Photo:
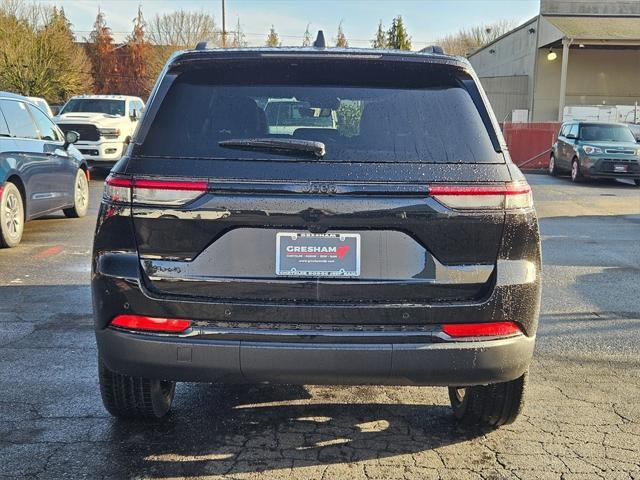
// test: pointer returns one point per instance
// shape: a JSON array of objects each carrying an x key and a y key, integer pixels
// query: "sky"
[{"x": 426, "y": 20}]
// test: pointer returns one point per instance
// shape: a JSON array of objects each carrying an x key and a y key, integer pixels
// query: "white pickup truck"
[{"x": 105, "y": 124}]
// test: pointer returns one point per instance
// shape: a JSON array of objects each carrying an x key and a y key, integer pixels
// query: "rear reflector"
[
  {"x": 151, "y": 324},
  {"x": 491, "y": 329},
  {"x": 153, "y": 192},
  {"x": 483, "y": 197}
]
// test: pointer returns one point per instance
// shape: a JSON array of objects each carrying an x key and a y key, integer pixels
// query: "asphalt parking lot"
[{"x": 582, "y": 418}]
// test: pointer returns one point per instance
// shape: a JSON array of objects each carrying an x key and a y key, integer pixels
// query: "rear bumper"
[{"x": 458, "y": 363}]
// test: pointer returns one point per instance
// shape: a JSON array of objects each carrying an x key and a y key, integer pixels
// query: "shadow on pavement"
[{"x": 221, "y": 430}]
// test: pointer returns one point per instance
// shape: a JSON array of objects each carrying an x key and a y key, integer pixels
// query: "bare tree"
[
  {"x": 469, "y": 39},
  {"x": 238, "y": 39},
  {"x": 179, "y": 30},
  {"x": 183, "y": 29},
  {"x": 306, "y": 39}
]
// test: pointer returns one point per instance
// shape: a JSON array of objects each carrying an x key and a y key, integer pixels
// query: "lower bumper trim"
[{"x": 439, "y": 364}]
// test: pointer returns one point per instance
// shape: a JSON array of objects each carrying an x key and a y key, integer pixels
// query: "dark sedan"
[{"x": 40, "y": 170}]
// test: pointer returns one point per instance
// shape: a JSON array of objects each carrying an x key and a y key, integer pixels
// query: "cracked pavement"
[{"x": 581, "y": 420}]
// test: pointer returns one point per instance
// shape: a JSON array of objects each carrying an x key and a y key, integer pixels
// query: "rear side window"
[
  {"x": 46, "y": 127},
  {"x": 4, "y": 129},
  {"x": 371, "y": 113},
  {"x": 20, "y": 122}
]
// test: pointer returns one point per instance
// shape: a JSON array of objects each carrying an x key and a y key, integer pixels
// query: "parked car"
[
  {"x": 40, "y": 169},
  {"x": 285, "y": 116},
  {"x": 105, "y": 124},
  {"x": 42, "y": 104},
  {"x": 596, "y": 150},
  {"x": 404, "y": 252}
]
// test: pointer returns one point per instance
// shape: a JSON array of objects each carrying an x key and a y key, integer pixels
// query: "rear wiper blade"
[{"x": 284, "y": 146}]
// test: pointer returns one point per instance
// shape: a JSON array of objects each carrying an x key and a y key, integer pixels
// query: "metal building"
[{"x": 575, "y": 52}]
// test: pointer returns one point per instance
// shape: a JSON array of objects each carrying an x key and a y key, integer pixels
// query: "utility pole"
[{"x": 224, "y": 27}]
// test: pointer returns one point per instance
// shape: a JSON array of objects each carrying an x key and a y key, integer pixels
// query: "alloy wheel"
[
  {"x": 82, "y": 191},
  {"x": 12, "y": 215}
]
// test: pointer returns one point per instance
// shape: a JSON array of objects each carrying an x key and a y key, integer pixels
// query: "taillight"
[
  {"x": 490, "y": 329},
  {"x": 152, "y": 192},
  {"x": 483, "y": 197},
  {"x": 117, "y": 189},
  {"x": 167, "y": 192},
  {"x": 151, "y": 324}
]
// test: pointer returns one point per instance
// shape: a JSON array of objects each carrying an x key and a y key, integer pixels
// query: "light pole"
[{"x": 224, "y": 28}]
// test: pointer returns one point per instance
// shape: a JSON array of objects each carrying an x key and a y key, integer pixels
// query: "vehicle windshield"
[
  {"x": 94, "y": 105},
  {"x": 606, "y": 133},
  {"x": 374, "y": 116},
  {"x": 635, "y": 130}
]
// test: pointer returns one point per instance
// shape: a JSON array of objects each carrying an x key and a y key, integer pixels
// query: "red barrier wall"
[{"x": 529, "y": 143}]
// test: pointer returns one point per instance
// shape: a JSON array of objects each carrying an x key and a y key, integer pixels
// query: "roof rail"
[
  {"x": 433, "y": 49},
  {"x": 201, "y": 45},
  {"x": 320, "y": 43}
]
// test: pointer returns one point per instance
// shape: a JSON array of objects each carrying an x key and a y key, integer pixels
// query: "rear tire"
[
  {"x": 80, "y": 196},
  {"x": 489, "y": 405},
  {"x": 576, "y": 174},
  {"x": 11, "y": 215},
  {"x": 553, "y": 168},
  {"x": 134, "y": 397},
  {"x": 637, "y": 182}
]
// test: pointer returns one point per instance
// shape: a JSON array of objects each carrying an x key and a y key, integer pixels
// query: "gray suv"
[{"x": 596, "y": 150}]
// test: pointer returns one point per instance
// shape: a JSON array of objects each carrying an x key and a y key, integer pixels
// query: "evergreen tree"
[
  {"x": 102, "y": 54},
  {"x": 381, "y": 37},
  {"x": 272, "y": 39},
  {"x": 306, "y": 39},
  {"x": 341, "y": 39},
  {"x": 397, "y": 37},
  {"x": 134, "y": 64}
]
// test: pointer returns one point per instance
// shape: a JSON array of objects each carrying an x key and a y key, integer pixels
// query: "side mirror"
[
  {"x": 571, "y": 136},
  {"x": 134, "y": 115},
  {"x": 70, "y": 137}
]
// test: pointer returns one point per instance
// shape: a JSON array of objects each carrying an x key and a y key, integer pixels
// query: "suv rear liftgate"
[{"x": 196, "y": 235}]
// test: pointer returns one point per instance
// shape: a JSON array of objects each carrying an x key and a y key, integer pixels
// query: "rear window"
[
  {"x": 368, "y": 113},
  {"x": 606, "y": 133}
]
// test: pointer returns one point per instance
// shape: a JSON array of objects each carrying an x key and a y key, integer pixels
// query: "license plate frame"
[
  {"x": 617, "y": 168},
  {"x": 309, "y": 262}
]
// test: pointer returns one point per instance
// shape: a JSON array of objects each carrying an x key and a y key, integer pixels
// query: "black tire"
[
  {"x": 489, "y": 405},
  {"x": 134, "y": 397},
  {"x": 11, "y": 215},
  {"x": 80, "y": 196},
  {"x": 637, "y": 182},
  {"x": 576, "y": 174},
  {"x": 553, "y": 168}
]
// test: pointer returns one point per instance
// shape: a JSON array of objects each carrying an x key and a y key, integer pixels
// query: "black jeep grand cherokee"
[{"x": 383, "y": 237}]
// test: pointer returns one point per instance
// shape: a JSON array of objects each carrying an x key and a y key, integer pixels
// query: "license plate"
[
  {"x": 317, "y": 255},
  {"x": 619, "y": 168}
]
